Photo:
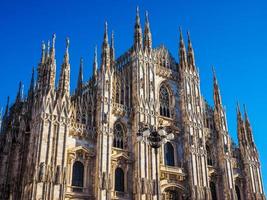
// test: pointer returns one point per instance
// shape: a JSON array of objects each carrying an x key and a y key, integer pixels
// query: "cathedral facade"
[{"x": 55, "y": 145}]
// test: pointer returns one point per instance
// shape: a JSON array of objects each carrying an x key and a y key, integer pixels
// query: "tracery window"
[
  {"x": 118, "y": 136},
  {"x": 77, "y": 176},
  {"x": 119, "y": 180},
  {"x": 164, "y": 99},
  {"x": 169, "y": 154}
]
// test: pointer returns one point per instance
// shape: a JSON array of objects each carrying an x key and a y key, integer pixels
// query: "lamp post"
[{"x": 155, "y": 138}]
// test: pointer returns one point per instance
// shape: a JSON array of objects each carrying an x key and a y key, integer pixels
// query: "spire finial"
[
  {"x": 43, "y": 53},
  {"x": 112, "y": 49},
  {"x": 182, "y": 50},
  {"x": 95, "y": 62},
  {"x": 137, "y": 31},
  {"x": 80, "y": 78},
  {"x": 66, "y": 56},
  {"x": 214, "y": 74},
  {"x": 238, "y": 109},
  {"x": 18, "y": 98},
  {"x": 52, "y": 50},
  {"x": 106, "y": 32},
  {"x": 53, "y": 40},
  {"x": 137, "y": 13},
  {"x": 181, "y": 34},
  {"x": 67, "y": 42},
  {"x": 147, "y": 20},
  {"x": 31, "y": 88},
  {"x": 48, "y": 49},
  {"x": 7, "y": 106},
  {"x": 246, "y": 114},
  {"x": 191, "y": 57},
  {"x": 147, "y": 35}
]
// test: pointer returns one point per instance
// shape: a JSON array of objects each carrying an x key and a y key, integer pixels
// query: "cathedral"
[{"x": 61, "y": 145}]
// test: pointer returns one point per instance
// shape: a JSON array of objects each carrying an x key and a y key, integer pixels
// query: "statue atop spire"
[
  {"x": 112, "y": 49},
  {"x": 95, "y": 65},
  {"x": 52, "y": 50},
  {"x": 137, "y": 31},
  {"x": 43, "y": 53}
]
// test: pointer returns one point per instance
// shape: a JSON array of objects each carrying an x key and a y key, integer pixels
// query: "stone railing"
[{"x": 171, "y": 173}]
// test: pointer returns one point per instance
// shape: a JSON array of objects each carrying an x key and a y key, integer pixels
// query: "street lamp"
[{"x": 155, "y": 138}]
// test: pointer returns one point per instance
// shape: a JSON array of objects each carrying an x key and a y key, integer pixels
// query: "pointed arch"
[
  {"x": 77, "y": 176},
  {"x": 169, "y": 154},
  {"x": 164, "y": 100},
  {"x": 118, "y": 140},
  {"x": 119, "y": 180}
]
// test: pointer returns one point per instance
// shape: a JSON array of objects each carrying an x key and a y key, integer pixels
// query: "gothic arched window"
[
  {"x": 238, "y": 195},
  {"x": 169, "y": 154},
  {"x": 118, "y": 136},
  {"x": 77, "y": 176},
  {"x": 119, "y": 180},
  {"x": 209, "y": 156},
  {"x": 164, "y": 99},
  {"x": 213, "y": 191}
]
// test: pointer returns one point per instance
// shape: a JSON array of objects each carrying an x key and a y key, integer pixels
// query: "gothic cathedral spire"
[
  {"x": 182, "y": 51},
  {"x": 64, "y": 81},
  {"x": 248, "y": 128},
  {"x": 95, "y": 65},
  {"x": 80, "y": 78},
  {"x": 137, "y": 31},
  {"x": 191, "y": 57},
  {"x": 105, "y": 65},
  {"x": 216, "y": 92},
  {"x": 112, "y": 50},
  {"x": 147, "y": 35}
]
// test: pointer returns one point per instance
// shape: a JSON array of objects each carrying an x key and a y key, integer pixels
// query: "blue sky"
[{"x": 231, "y": 35}]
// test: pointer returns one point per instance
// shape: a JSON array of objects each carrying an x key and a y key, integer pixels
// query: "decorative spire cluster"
[
  {"x": 147, "y": 35},
  {"x": 80, "y": 78},
  {"x": 64, "y": 81},
  {"x": 138, "y": 38},
  {"x": 105, "y": 56},
  {"x": 216, "y": 92},
  {"x": 187, "y": 59},
  {"x": 245, "y": 136}
]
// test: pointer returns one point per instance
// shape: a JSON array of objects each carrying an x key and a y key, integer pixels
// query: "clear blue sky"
[{"x": 231, "y": 35}]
